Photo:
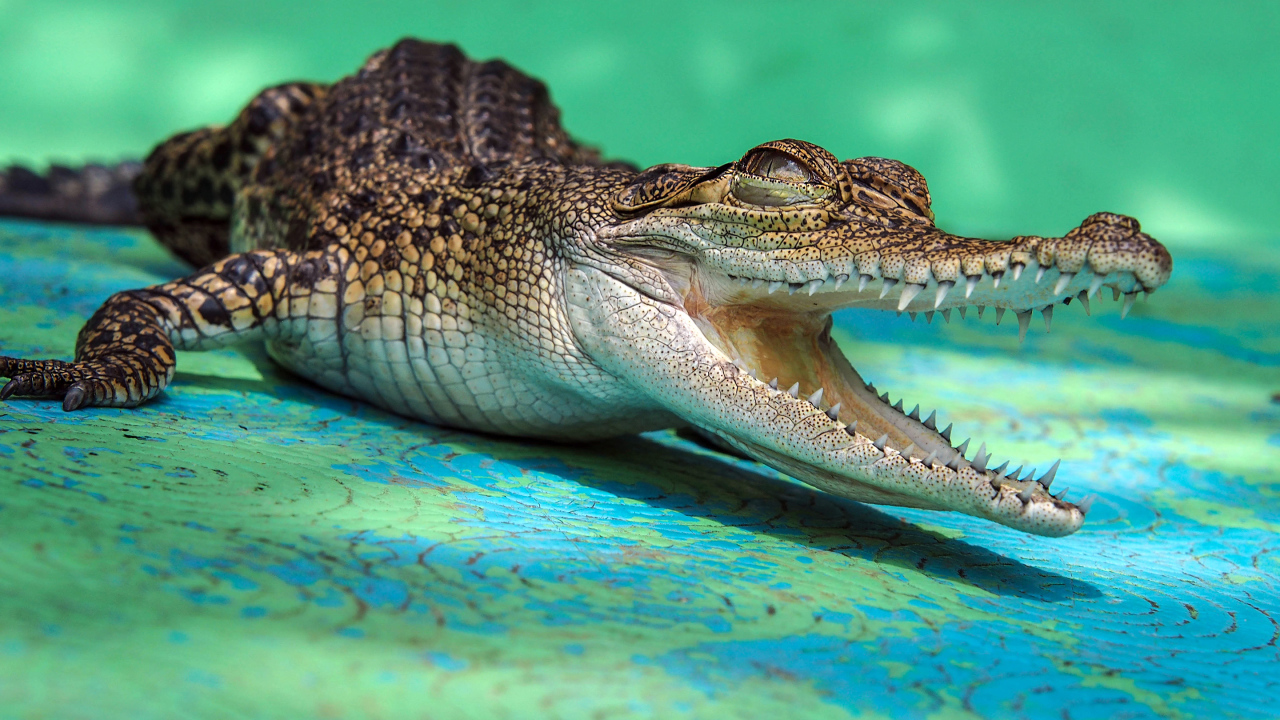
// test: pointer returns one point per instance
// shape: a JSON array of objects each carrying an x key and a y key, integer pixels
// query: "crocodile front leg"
[
  {"x": 661, "y": 348},
  {"x": 125, "y": 353}
]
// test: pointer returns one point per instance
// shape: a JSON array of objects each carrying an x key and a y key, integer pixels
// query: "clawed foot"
[{"x": 79, "y": 384}]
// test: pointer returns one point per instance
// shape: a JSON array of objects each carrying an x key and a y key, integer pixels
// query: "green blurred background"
[{"x": 1025, "y": 117}]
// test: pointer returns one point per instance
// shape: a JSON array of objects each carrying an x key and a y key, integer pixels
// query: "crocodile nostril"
[{"x": 1113, "y": 219}]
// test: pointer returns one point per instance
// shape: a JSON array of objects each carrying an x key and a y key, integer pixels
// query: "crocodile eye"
[
  {"x": 772, "y": 178},
  {"x": 777, "y": 165}
]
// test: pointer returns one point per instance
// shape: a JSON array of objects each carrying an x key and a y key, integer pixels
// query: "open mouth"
[{"x": 777, "y": 330}]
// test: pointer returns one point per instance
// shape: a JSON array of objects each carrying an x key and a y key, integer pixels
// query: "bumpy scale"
[{"x": 424, "y": 236}]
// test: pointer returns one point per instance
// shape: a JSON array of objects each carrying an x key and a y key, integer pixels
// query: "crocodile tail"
[{"x": 98, "y": 194}]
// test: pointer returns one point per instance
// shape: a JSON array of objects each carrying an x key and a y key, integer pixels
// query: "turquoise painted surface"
[{"x": 250, "y": 546}]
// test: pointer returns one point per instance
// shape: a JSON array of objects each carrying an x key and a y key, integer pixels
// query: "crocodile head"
[{"x": 723, "y": 281}]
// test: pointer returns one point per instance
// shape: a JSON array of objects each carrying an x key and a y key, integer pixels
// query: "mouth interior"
[{"x": 796, "y": 347}]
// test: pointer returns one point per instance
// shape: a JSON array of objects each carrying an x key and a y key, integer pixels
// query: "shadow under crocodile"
[
  {"x": 682, "y": 477},
  {"x": 697, "y": 483}
]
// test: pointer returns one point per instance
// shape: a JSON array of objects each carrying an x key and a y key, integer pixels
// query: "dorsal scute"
[{"x": 427, "y": 107}]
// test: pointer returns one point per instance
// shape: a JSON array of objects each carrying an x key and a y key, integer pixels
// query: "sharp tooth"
[
  {"x": 981, "y": 309},
  {"x": 1096, "y": 285},
  {"x": 996, "y": 277},
  {"x": 909, "y": 293},
  {"x": 980, "y": 460},
  {"x": 1014, "y": 475},
  {"x": 752, "y": 373},
  {"x": 928, "y": 317},
  {"x": 1063, "y": 281},
  {"x": 962, "y": 311},
  {"x": 815, "y": 398},
  {"x": 1086, "y": 504},
  {"x": 840, "y": 280},
  {"x": 1026, "y": 493},
  {"x": 1047, "y": 479},
  {"x": 773, "y": 383},
  {"x": 944, "y": 287},
  {"x": 852, "y": 427},
  {"x": 1128, "y": 303},
  {"x": 963, "y": 446},
  {"x": 946, "y": 434},
  {"x": 1084, "y": 301},
  {"x": 1017, "y": 271},
  {"x": 928, "y": 462},
  {"x": 1039, "y": 274},
  {"x": 915, "y": 412},
  {"x": 898, "y": 405},
  {"x": 1024, "y": 322},
  {"x": 1047, "y": 312},
  {"x": 999, "y": 314},
  {"x": 907, "y": 451},
  {"x": 755, "y": 284},
  {"x": 880, "y": 443},
  {"x": 888, "y": 285},
  {"x": 946, "y": 314},
  {"x": 1115, "y": 294},
  {"x": 1062, "y": 494},
  {"x": 793, "y": 287},
  {"x": 794, "y": 391},
  {"x": 913, "y": 315},
  {"x": 954, "y": 464},
  {"x": 885, "y": 398},
  {"x": 834, "y": 411},
  {"x": 813, "y": 286},
  {"x": 1030, "y": 474},
  {"x": 930, "y": 422},
  {"x": 862, "y": 282},
  {"x": 775, "y": 286},
  {"x": 970, "y": 282},
  {"x": 1000, "y": 470}
]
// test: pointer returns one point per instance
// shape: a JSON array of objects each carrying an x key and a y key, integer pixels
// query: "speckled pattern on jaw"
[{"x": 423, "y": 235}]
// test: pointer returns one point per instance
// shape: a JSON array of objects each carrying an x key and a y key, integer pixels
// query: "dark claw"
[
  {"x": 9, "y": 388},
  {"x": 74, "y": 398}
]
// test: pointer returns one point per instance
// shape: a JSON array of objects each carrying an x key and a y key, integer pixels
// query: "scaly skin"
[{"x": 425, "y": 237}]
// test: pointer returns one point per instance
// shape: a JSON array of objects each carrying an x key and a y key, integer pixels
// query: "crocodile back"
[{"x": 427, "y": 107}]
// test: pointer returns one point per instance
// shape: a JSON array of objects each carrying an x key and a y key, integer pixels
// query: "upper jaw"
[
  {"x": 938, "y": 272},
  {"x": 912, "y": 269}
]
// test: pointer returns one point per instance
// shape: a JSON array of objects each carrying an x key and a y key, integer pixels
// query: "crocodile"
[{"x": 423, "y": 235}]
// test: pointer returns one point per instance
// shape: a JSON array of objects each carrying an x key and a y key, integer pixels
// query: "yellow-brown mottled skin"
[{"x": 423, "y": 235}]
